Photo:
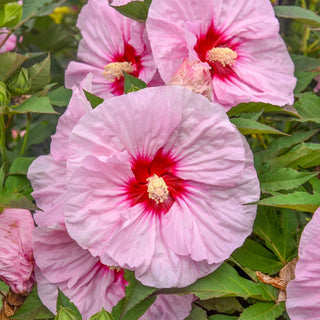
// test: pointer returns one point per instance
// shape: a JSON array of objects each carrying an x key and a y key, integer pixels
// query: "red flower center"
[
  {"x": 155, "y": 184},
  {"x": 220, "y": 53},
  {"x": 127, "y": 61}
]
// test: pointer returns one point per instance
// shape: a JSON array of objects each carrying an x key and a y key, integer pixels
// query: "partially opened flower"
[
  {"x": 62, "y": 264},
  {"x": 303, "y": 293},
  {"x": 158, "y": 179},
  {"x": 194, "y": 76},
  {"x": 111, "y": 44},
  {"x": 16, "y": 257},
  {"x": 238, "y": 41},
  {"x": 10, "y": 43}
]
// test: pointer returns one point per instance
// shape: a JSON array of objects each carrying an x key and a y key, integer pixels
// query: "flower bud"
[
  {"x": 4, "y": 94},
  {"x": 194, "y": 76},
  {"x": 19, "y": 83}
]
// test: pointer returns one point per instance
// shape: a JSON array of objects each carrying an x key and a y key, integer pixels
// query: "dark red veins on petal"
[
  {"x": 212, "y": 39},
  {"x": 163, "y": 165},
  {"x": 128, "y": 55}
]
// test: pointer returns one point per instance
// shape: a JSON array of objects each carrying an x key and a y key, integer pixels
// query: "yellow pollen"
[
  {"x": 225, "y": 56},
  {"x": 157, "y": 189},
  {"x": 113, "y": 70},
  {"x": 112, "y": 268}
]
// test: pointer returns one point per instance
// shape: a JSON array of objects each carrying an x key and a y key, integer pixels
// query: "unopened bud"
[
  {"x": 4, "y": 94},
  {"x": 194, "y": 76},
  {"x": 19, "y": 83}
]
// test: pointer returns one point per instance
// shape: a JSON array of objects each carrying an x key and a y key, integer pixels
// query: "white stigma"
[
  {"x": 114, "y": 70},
  {"x": 225, "y": 56},
  {"x": 157, "y": 189}
]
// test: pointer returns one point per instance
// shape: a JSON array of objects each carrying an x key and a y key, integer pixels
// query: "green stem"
[
  {"x": 304, "y": 41},
  {"x": 25, "y": 138},
  {"x": 303, "y": 4},
  {"x": 3, "y": 139}
]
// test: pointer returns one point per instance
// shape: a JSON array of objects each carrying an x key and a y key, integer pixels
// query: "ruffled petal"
[
  {"x": 303, "y": 294},
  {"x": 48, "y": 180},
  {"x": 141, "y": 129},
  {"x": 89, "y": 284},
  {"x": 16, "y": 259},
  {"x": 173, "y": 307},
  {"x": 207, "y": 147}
]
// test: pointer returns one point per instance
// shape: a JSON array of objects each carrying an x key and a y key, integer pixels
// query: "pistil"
[
  {"x": 225, "y": 56},
  {"x": 157, "y": 189},
  {"x": 114, "y": 70}
]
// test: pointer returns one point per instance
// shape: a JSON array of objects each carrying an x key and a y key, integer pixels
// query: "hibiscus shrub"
[{"x": 159, "y": 159}]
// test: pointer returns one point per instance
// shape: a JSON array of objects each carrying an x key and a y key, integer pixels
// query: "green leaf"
[
  {"x": 102, "y": 315},
  {"x": 197, "y": 313},
  {"x": 9, "y": 63},
  {"x": 305, "y": 63},
  {"x": 32, "y": 308},
  {"x": 283, "y": 179},
  {"x": 17, "y": 181},
  {"x": 300, "y": 14},
  {"x": 137, "y": 10},
  {"x": 39, "y": 74},
  {"x": 256, "y": 257},
  {"x": 278, "y": 229},
  {"x": 34, "y": 104},
  {"x": 308, "y": 105},
  {"x": 64, "y": 302},
  {"x": 131, "y": 83},
  {"x": 137, "y": 300},
  {"x": 257, "y": 107},
  {"x": 94, "y": 100},
  {"x": 60, "y": 97},
  {"x": 301, "y": 201},
  {"x": 10, "y": 14},
  {"x": 247, "y": 126},
  {"x": 263, "y": 311},
  {"x": 222, "y": 317},
  {"x": 315, "y": 182},
  {"x": 15, "y": 200},
  {"x": 67, "y": 314},
  {"x": 37, "y": 8},
  {"x": 283, "y": 144},
  {"x": 224, "y": 282},
  {"x": 303, "y": 80},
  {"x": 305, "y": 155},
  {"x": 221, "y": 305}
]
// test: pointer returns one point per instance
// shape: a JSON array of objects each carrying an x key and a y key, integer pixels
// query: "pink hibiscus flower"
[
  {"x": 303, "y": 293},
  {"x": 166, "y": 176},
  {"x": 238, "y": 41},
  {"x": 16, "y": 258},
  {"x": 11, "y": 42},
  {"x": 111, "y": 44},
  {"x": 60, "y": 261}
]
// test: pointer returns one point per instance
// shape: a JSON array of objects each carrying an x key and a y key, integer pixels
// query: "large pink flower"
[
  {"x": 11, "y": 42},
  {"x": 303, "y": 293},
  {"x": 16, "y": 258},
  {"x": 111, "y": 44},
  {"x": 60, "y": 261},
  {"x": 158, "y": 179},
  {"x": 239, "y": 41}
]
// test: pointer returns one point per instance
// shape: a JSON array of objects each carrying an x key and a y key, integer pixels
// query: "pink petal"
[
  {"x": 173, "y": 307},
  {"x": 303, "y": 295},
  {"x": 90, "y": 285},
  {"x": 48, "y": 180},
  {"x": 16, "y": 259}
]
